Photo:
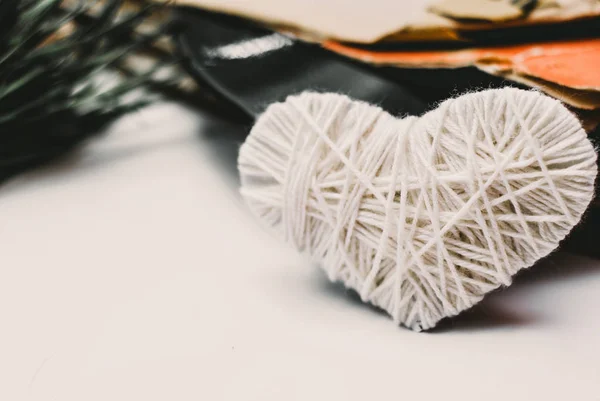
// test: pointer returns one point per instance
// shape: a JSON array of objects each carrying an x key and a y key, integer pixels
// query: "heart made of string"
[{"x": 422, "y": 216}]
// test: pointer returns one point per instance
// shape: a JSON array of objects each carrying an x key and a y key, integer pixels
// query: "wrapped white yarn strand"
[{"x": 422, "y": 216}]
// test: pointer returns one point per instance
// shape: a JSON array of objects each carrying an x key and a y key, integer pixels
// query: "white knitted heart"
[{"x": 421, "y": 216}]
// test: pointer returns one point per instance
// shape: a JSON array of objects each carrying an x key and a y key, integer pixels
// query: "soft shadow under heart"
[{"x": 489, "y": 313}]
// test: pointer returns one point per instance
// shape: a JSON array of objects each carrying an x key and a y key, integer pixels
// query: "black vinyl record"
[{"x": 253, "y": 67}]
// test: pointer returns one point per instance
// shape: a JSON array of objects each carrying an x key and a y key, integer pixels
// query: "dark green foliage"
[{"x": 50, "y": 99}]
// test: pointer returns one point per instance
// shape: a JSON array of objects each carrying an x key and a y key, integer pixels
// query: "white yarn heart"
[{"x": 421, "y": 216}]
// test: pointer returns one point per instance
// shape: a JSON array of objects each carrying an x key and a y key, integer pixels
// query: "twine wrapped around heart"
[{"x": 422, "y": 216}]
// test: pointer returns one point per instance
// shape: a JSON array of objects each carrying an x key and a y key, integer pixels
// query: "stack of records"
[{"x": 435, "y": 45}]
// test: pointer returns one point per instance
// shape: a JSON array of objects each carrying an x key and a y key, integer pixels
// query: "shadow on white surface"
[
  {"x": 132, "y": 271},
  {"x": 224, "y": 139}
]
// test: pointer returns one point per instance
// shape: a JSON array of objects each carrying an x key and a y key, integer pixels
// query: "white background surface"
[{"x": 132, "y": 271}]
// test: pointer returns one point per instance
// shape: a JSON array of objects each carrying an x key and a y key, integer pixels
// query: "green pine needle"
[{"x": 52, "y": 95}]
